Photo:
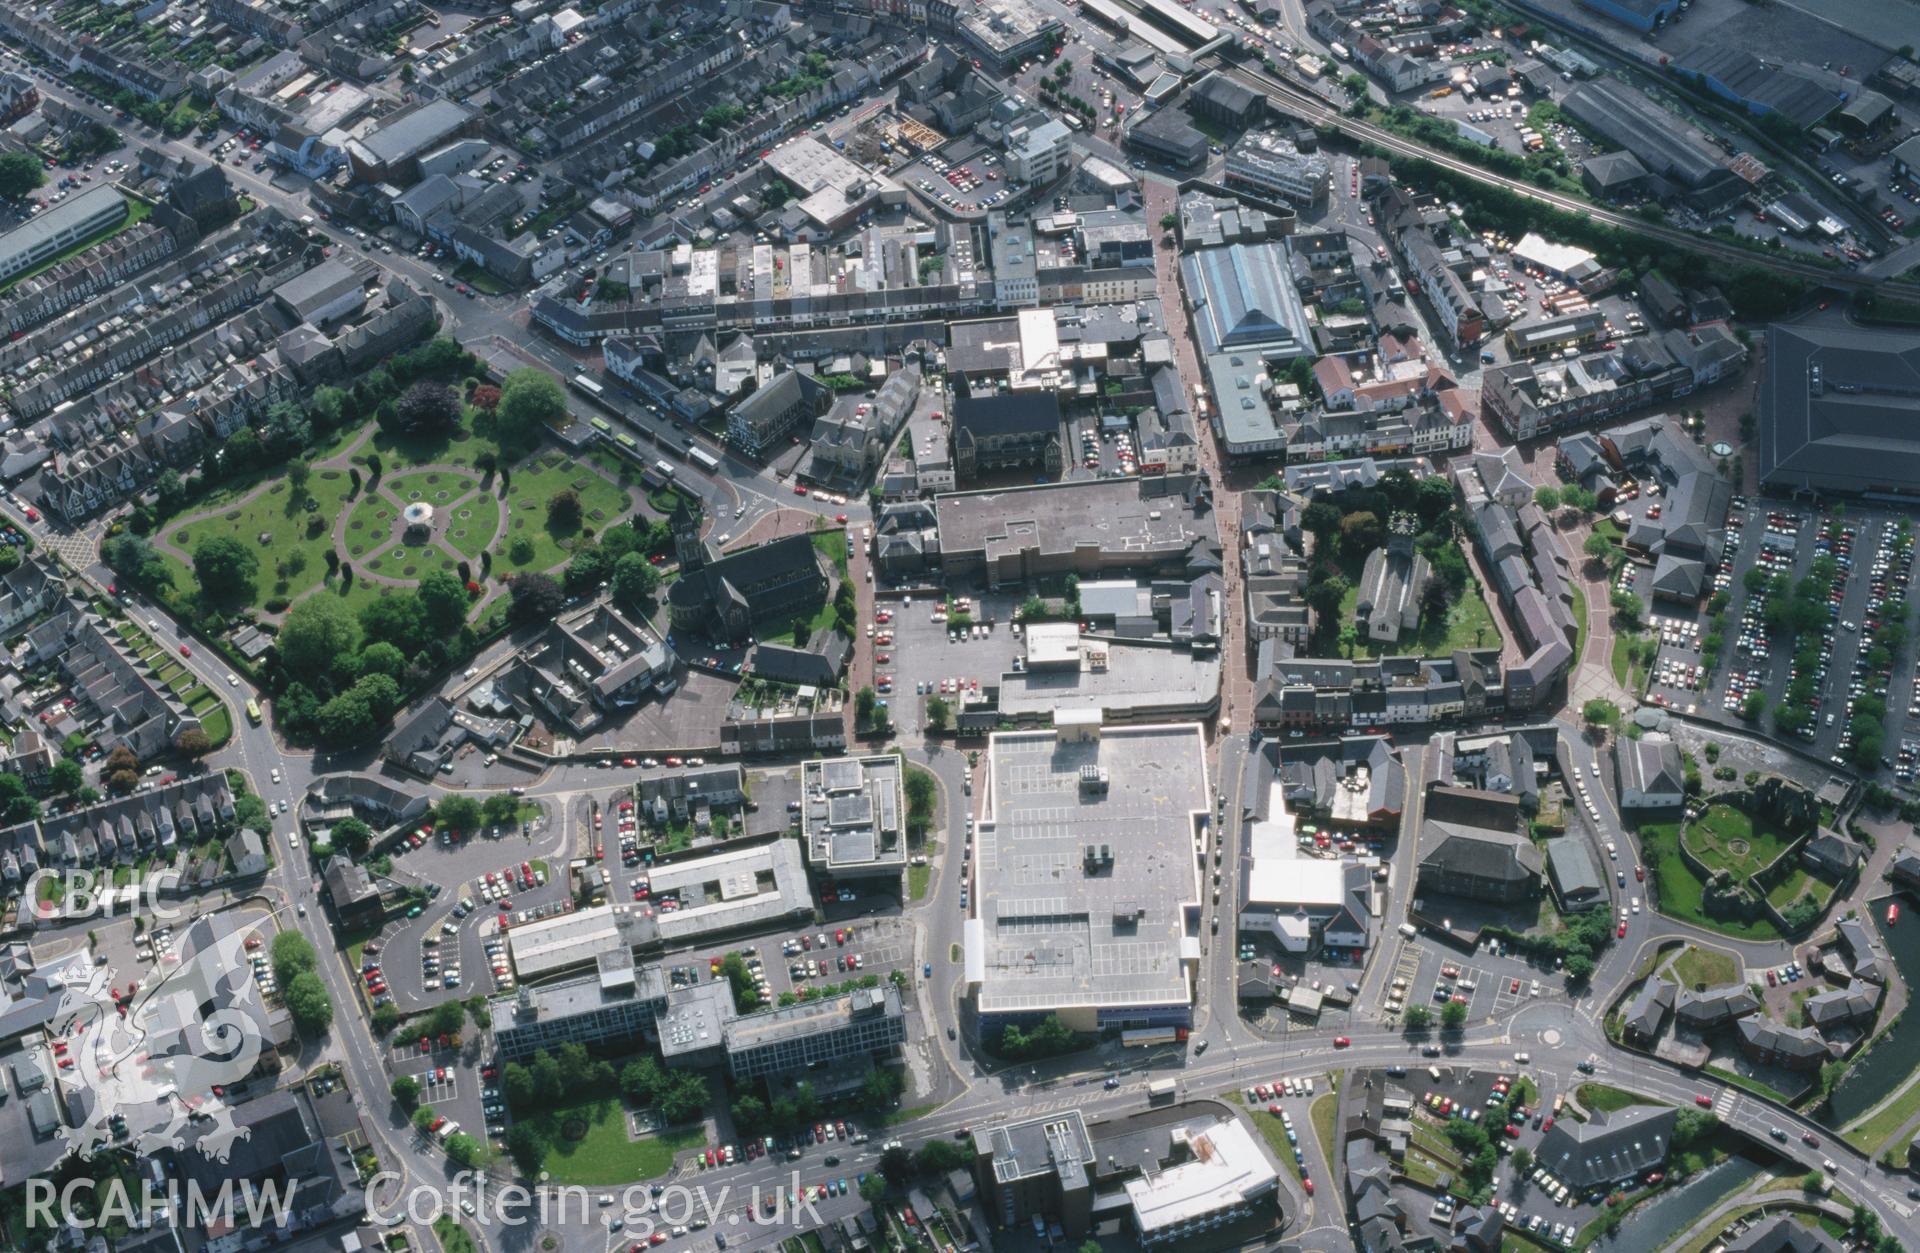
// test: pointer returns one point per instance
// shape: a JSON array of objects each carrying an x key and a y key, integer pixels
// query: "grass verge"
[{"x": 589, "y": 1145}]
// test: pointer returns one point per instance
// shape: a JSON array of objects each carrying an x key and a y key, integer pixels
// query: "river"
[
  {"x": 1890, "y": 1062},
  {"x": 1657, "y": 1222}
]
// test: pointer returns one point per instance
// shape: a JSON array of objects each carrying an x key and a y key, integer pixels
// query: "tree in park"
[
  {"x": 1548, "y": 498},
  {"x": 527, "y": 1147},
  {"x": 1360, "y": 533},
  {"x": 133, "y": 558},
  {"x": 873, "y": 1189},
  {"x": 1453, "y": 1016},
  {"x": 563, "y": 510},
  {"x": 536, "y": 598},
  {"x": 517, "y": 1081},
  {"x": 400, "y": 620},
  {"x": 381, "y": 658},
  {"x": 1600, "y": 713},
  {"x": 864, "y": 702},
  {"x": 530, "y": 401},
  {"x": 299, "y": 471},
  {"x": 485, "y": 397},
  {"x": 938, "y": 711},
  {"x": 193, "y": 742},
  {"x": 1326, "y": 595},
  {"x": 427, "y": 406},
  {"x": 225, "y": 568},
  {"x": 320, "y": 633},
  {"x": 444, "y": 602},
  {"x": 20, "y": 174},
  {"x": 1598, "y": 547},
  {"x": 1418, "y": 1018}
]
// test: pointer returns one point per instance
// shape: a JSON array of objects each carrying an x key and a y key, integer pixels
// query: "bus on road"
[
  {"x": 589, "y": 388},
  {"x": 253, "y": 712},
  {"x": 1160, "y": 1090},
  {"x": 704, "y": 459},
  {"x": 664, "y": 468}
]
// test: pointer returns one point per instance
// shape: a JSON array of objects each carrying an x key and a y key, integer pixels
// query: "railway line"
[{"x": 1292, "y": 100}]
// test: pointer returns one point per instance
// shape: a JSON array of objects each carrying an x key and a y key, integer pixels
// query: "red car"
[
  {"x": 425, "y": 1044},
  {"x": 1308, "y": 1185},
  {"x": 1704, "y": 1102},
  {"x": 1622, "y": 932},
  {"x": 799, "y": 489},
  {"x": 1341, "y": 1041},
  {"x": 185, "y": 651},
  {"x": 1513, "y": 1132},
  {"x": 1640, "y": 874},
  {"x": 840, "y": 517},
  {"x": 1811, "y": 1139}
]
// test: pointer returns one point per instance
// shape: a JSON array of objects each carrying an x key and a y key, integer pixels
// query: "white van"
[{"x": 1407, "y": 929}]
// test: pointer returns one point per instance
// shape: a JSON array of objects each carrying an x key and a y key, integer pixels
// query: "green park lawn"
[
  {"x": 1704, "y": 966},
  {"x": 605, "y": 1156},
  {"x": 409, "y": 563},
  {"x": 437, "y": 487},
  {"x": 290, "y": 529},
  {"x": 473, "y": 524},
  {"x": 1680, "y": 891},
  {"x": 1726, "y": 838},
  {"x": 1796, "y": 883},
  {"x": 533, "y": 483},
  {"x": 1468, "y": 624},
  {"x": 371, "y": 525},
  {"x": 403, "y": 452},
  {"x": 1599, "y": 1098}
]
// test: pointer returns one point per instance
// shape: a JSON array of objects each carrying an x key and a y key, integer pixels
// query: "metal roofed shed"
[
  {"x": 1046, "y": 939},
  {"x": 1563, "y": 260}
]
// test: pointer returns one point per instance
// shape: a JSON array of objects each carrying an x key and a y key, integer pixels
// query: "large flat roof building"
[
  {"x": 725, "y": 893},
  {"x": 1090, "y": 527},
  {"x": 47, "y": 235},
  {"x": 1087, "y": 900},
  {"x": 817, "y": 1032},
  {"x": 1840, "y": 410},
  {"x": 853, "y": 816},
  {"x": 1223, "y": 1178}
]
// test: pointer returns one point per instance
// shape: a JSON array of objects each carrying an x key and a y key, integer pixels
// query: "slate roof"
[
  {"x": 1763, "y": 1034},
  {"x": 1713, "y": 1006},
  {"x": 1647, "y": 1013},
  {"x": 1016, "y": 413},
  {"x": 1840, "y": 1006},
  {"x": 1485, "y": 854},
  {"x": 1651, "y": 766},
  {"x": 1840, "y": 408},
  {"x": 1783, "y": 1235},
  {"x": 1612, "y": 1145}
]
